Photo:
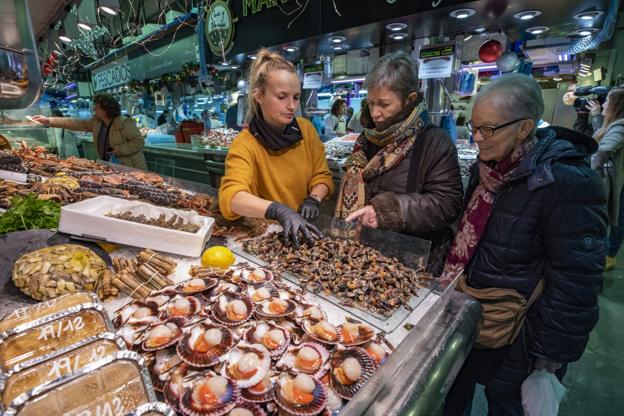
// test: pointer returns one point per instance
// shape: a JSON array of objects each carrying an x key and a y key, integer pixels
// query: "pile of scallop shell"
[{"x": 243, "y": 343}]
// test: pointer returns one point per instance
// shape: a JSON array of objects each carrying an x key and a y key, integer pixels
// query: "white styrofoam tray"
[{"x": 88, "y": 219}]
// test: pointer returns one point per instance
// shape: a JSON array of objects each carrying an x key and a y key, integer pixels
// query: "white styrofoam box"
[{"x": 88, "y": 219}]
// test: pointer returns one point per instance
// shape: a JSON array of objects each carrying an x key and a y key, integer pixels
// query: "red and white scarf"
[{"x": 477, "y": 213}]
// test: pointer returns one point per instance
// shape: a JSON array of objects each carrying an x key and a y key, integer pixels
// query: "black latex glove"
[
  {"x": 310, "y": 208},
  {"x": 292, "y": 224}
]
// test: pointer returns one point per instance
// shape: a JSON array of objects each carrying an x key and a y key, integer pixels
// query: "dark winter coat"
[
  {"x": 421, "y": 197},
  {"x": 549, "y": 221}
]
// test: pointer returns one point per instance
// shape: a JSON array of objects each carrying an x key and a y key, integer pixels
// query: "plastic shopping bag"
[{"x": 541, "y": 394}]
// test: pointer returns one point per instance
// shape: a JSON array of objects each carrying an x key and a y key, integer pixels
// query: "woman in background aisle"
[
  {"x": 115, "y": 136},
  {"x": 403, "y": 175},
  {"x": 335, "y": 122},
  {"x": 276, "y": 169},
  {"x": 610, "y": 139}
]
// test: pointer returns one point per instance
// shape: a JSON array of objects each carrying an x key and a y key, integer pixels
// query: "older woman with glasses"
[{"x": 533, "y": 227}]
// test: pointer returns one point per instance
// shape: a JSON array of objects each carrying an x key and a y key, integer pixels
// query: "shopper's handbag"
[{"x": 504, "y": 311}]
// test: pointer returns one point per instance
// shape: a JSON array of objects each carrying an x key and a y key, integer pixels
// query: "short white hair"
[{"x": 520, "y": 94}]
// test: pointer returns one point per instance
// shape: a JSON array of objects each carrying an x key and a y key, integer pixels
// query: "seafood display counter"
[{"x": 30, "y": 134}]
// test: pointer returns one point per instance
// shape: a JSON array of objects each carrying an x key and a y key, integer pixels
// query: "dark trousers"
[
  {"x": 501, "y": 371},
  {"x": 616, "y": 235}
]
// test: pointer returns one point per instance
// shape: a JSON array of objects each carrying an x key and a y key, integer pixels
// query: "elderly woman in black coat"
[{"x": 535, "y": 212}]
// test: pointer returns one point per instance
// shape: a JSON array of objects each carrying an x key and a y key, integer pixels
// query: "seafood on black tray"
[{"x": 358, "y": 275}]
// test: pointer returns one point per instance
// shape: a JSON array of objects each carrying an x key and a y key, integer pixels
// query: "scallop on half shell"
[
  {"x": 261, "y": 392},
  {"x": 308, "y": 358},
  {"x": 276, "y": 308},
  {"x": 351, "y": 368},
  {"x": 232, "y": 310},
  {"x": 355, "y": 332},
  {"x": 302, "y": 395},
  {"x": 196, "y": 285},
  {"x": 212, "y": 395},
  {"x": 322, "y": 331},
  {"x": 163, "y": 334},
  {"x": 205, "y": 344},
  {"x": 247, "y": 364},
  {"x": 185, "y": 307},
  {"x": 275, "y": 338}
]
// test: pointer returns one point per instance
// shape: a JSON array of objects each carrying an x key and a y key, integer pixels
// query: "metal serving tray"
[{"x": 412, "y": 252}]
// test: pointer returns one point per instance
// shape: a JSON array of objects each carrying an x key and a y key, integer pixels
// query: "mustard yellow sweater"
[{"x": 285, "y": 176}]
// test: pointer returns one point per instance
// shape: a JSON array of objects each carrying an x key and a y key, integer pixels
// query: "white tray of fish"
[{"x": 120, "y": 221}]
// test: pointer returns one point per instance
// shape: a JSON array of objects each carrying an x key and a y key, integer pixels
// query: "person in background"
[
  {"x": 533, "y": 228},
  {"x": 163, "y": 118},
  {"x": 462, "y": 130},
  {"x": 349, "y": 114},
  {"x": 115, "y": 136},
  {"x": 231, "y": 116},
  {"x": 609, "y": 127},
  {"x": 355, "y": 124},
  {"x": 335, "y": 122},
  {"x": 403, "y": 175},
  {"x": 276, "y": 169},
  {"x": 205, "y": 118}
]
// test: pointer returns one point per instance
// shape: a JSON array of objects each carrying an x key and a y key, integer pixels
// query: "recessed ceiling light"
[
  {"x": 480, "y": 30},
  {"x": 396, "y": 27},
  {"x": 291, "y": 48},
  {"x": 587, "y": 31},
  {"x": 398, "y": 36},
  {"x": 234, "y": 67},
  {"x": 462, "y": 13},
  {"x": 537, "y": 30},
  {"x": 224, "y": 63},
  {"x": 251, "y": 56},
  {"x": 527, "y": 14},
  {"x": 108, "y": 10},
  {"x": 589, "y": 15},
  {"x": 557, "y": 79},
  {"x": 337, "y": 39},
  {"x": 65, "y": 38},
  {"x": 338, "y": 47},
  {"x": 85, "y": 26}
]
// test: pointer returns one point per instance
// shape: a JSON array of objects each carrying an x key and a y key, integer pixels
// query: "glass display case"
[{"x": 16, "y": 128}]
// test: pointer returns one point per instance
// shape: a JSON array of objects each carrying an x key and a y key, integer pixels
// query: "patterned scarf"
[
  {"x": 396, "y": 141},
  {"x": 479, "y": 208}
]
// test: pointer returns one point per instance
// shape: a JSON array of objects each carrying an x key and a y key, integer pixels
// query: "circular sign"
[{"x": 219, "y": 27}]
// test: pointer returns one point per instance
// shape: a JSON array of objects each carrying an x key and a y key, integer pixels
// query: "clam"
[
  {"x": 261, "y": 392},
  {"x": 196, "y": 285},
  {"x": 322, "y": 331},
  {"x": 377, "y": 351},
  {"x": 275, "y": 338},
  {"x": 137, "y": 313},
  {"x": 232, "y": 310},
  {"x": 205, "y": 344},
  {"x": 210, "y": 395},
  {"x": 302, "y": 395},
  {"x": 247, "y": 364},
  {"x": 308, "y": 358},
  {"x": 351, "y": 368},
  {"x": 355, "y": 333},
  {"x": 160, "y": 369},
  {"x": 183, "y": 307},
  {"x": 163, "y": 335},
  {"x": 276, "y": 308},
  {"x": 244, "y": 408}
]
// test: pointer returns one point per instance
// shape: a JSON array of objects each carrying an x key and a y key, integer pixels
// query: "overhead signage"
[
  {"x": 219, "y": 27},
  {"x": 111, "y": 75},
  {"x": 436, "y": 61}
]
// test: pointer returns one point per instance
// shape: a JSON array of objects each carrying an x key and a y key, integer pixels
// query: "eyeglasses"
[{"x": 488, "y": 131}]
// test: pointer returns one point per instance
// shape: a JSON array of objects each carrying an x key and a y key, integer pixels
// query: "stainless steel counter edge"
[{"x": 420, "y": 372}]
